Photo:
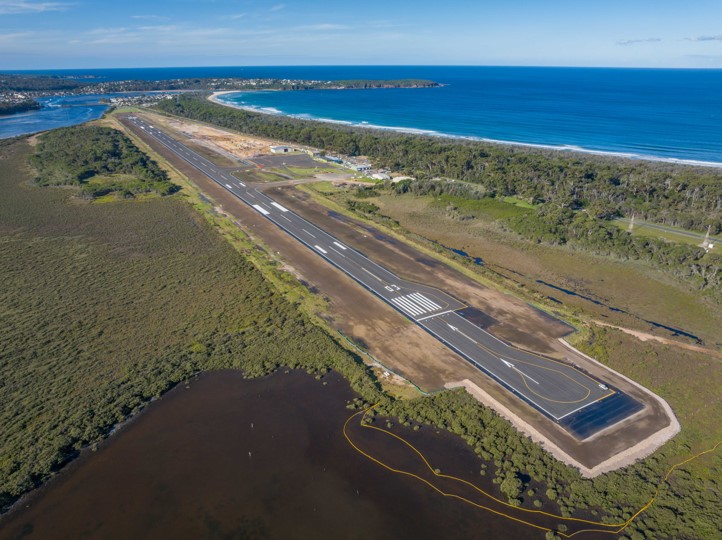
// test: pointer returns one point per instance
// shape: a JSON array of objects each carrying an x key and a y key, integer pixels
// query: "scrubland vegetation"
[{"x": 106, "y": 306}]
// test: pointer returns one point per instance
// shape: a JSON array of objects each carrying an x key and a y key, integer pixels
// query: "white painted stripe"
[
  {"x": 417, "y": 305},
  {"x": 435, "y": 315},
  {"x": 321, "y": 249},
  {"x": 372, "y": 274},
  {"x": 409, "y": 306},
  {"x": 431, "y": 306},
  {"x": 242, "y": 184},
  {"x": 430, "y": 301},
  {"x": 284, "y": 217},
  {"x": 422, "y": 299},
  {"x": 308, "y": 233},
  {"x": 405, "y": 307},
  {"x": 261, "y": 210},
  {"x": 229, "y": 186},
  {"x": 281, "y": 208},
  {"x": 580, "y": 408},
  {"x": 338, "y": 252},
  {"x": 339, "y": 245}
]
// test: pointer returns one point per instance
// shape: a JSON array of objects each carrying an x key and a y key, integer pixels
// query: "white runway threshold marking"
[
  {"x": 339, "y": 245},
  {"x": 321, "y": 249},
  {"x": 281, "y": 208},
  {"x": 416, "y": 304},
  {"x": 261, "y": 210},
  {"x": 229, "y": 186},
  {"x": 406, "y": 306}
]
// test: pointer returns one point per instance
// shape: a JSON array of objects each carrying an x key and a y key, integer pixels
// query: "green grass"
[
  {"x": 676, "y": 235},
  {"x": 105, "y": 306},
  {"x": 518, "y": 202},
  {"x": 488, "y": 208},
  {"x": 324, "y": 187}
]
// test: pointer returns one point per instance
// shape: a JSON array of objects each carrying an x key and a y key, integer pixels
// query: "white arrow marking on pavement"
[
  {"x": 512, "y": 366},
  {"x": 455, "y": 329}
]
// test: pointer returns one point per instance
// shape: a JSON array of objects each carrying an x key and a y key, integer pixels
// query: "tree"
[{"x": 511, "y": 487}]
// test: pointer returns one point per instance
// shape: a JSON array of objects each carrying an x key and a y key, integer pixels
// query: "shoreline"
[{"x": 567, "y": 149}]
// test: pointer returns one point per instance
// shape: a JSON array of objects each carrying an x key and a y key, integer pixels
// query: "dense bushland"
[{"x": 93, "y": 158}]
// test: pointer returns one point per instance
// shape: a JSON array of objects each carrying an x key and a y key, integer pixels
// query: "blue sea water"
[{"x": 666, "y": 114}]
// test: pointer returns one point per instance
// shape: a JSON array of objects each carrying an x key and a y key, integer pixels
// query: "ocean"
[{"x": 666, "y": 114}]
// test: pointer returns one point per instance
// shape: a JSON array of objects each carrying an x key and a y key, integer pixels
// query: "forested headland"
[
  {"x": 13, "y": 107},
  {"x": 574, "y": 197}
]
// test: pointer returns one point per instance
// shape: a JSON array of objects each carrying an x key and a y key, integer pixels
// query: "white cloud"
[
  {"x": 13, "y": 7},
  {"x": 323, "y": 26},
  {"x": 159, "y": 28},
  {"x": 635, "y": 41},
  {"x": 9, "y": 38},
  {"x": 277, "y": 7},
  {"x": 706, "y": 38},
  {"x": 150, "y": 17}
]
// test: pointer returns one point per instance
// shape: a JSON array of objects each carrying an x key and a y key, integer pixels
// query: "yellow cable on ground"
[{"x": 618, "y": 527}]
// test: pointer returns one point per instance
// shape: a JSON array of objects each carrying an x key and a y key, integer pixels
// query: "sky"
[{"x": 152, "y": 33}]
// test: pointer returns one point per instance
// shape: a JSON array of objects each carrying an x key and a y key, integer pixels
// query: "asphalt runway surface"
[{"x": 558, "y": 390}]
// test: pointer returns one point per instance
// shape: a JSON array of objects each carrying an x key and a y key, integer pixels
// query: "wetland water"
[{"x": 232, "y": 458}]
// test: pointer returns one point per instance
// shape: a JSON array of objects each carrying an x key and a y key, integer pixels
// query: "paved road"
[{"x": 554, "y": 388}]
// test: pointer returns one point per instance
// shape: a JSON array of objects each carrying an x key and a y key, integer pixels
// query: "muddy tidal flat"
[{"x": 229, "y": 458}]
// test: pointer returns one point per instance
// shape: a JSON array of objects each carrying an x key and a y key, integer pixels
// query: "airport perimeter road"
[{"x": 556, "y": 389}]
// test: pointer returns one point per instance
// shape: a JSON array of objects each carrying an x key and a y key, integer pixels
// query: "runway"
[{"x": 556, "y": 389}]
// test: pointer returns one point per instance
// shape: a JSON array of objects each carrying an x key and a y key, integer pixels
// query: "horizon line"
[{"x": 550, "y": 66}]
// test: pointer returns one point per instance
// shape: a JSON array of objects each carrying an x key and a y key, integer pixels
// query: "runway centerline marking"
[
  {"x": 435, "y": 315},
  {"x": 512, "y": 366},
  {"x": 372, "y": 274}
]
